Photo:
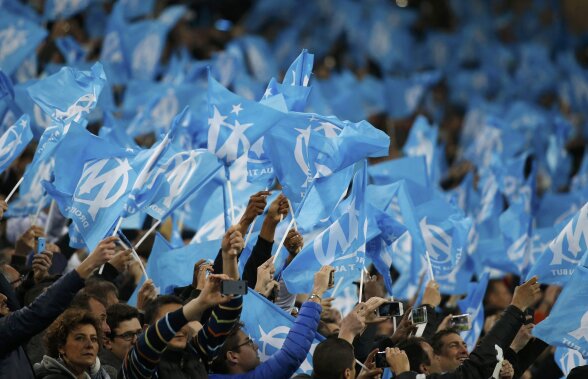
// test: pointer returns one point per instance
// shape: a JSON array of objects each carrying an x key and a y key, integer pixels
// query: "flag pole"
[
  {"x": 13, "y": 190},
  {"x": 116, "y": 228},
  {"x": 147, "y": 234},
  {"x": 361, "y": 285},
  {"x": 50, "y": 216},
  {"x": 283, "y": 240},
  {"x": 231, "y": 205},
  {"x": 336, "y": 288},
  {"x": 34, "y": 222},
  {"x": 136, "y": 257},
  {"x": 429, "y": 264}
]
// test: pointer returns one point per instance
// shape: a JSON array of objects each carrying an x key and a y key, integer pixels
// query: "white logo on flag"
[
  {"x": 230, "y": 148},
  {"x": 574, "y": 237},
  {"x": 337, "y": 240},
  {"x": 180, "y": 176},
  {"x": 274, "y": 340},
  {"x": 11, "y": 39},
  {"x": 570, "y": 359},
  {"x": 582, "y": 331},
  {"x": 146, "y": 54},
  {"x": 111, "y": 50},
  {"x": 9, "y": 142},
  {"x": 116, "y": 179},
  {"x": 439, "y": 248}
]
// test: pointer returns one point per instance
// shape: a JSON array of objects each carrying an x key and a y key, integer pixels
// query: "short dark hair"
[
  {"x": 82, "y": 300},
  {"x": 415, "y": 352},
  {"x": 99, "y": 288},
  {"x": 117, "y": 313},
  {"x": 219, "y": 363},
  {"x": 436, "y": 341},
  {"x": 153, "y": 307},
  {"x": 331, "y": 358},
  {"x": 57, "y": 332}
]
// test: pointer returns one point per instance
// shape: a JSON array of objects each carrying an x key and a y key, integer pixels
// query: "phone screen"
[
  {"x": 419, "y": 315},
  {"x": 381, "y": 360},
  {"x": 460, "y": 322},
  {"x": 40, "y": 245}
]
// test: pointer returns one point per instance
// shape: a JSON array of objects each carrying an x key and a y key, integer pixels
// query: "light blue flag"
[
  {"x": 63, "y": 9},
  {"x": 271, "y": 333},
  {"x": 473, "y": 304},
  {"x": 19, "y": 38},
  {"x": 580, "y": 180},
  {"x": 31, "y": 193},
  {"x": 341, "y": 245},
  {"x": 184, "y": 174},
  {"x": 445, "y": 232},
  {"x": 14, "y": 141},
  {"x": 6, "y": 87},
  {"x": 114, "y": 131},
  {"x": 567, "y": 323},
  {"x": 164, "y": 260},
  {"x": 558, "y": 261},
  {"x": 150, "y": 174},
  {"x": 235, "y": 123},
  {"x": 71, "y": 50},
  {"x": 70, "y": 94},
  {"x": 259, "y": 58},
  {"x": 112, "y": 54},
  {"x": 134, "y": 8},
  {"x": 567, "y": 359},
  {"x": 413, "y": 170},
  {"x": 76, "y": 240},
  {"x": 422, "y": 140},
  {"x": 143, "y": 42},
  {"x": 404, "y": 95}
]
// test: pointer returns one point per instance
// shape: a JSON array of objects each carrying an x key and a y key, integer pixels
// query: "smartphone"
[
  {"x": 391, "y": 309},
  {"x": 332, "y": 279},
  {"x": 529, "y": 316},
  {"x": 460, "y": 322},
  {"x": 233, "y": 287},
  {"x": 380, "y": 360},
  {"x": 40, "y": 245},
  {"x": 419, "y": 315}
]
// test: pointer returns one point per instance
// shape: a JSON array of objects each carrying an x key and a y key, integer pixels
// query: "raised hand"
[
  {"x": 211, "y": 293},
  {"x": 321, "y": 280},
  {"x": 103, "y": 253},
  {"x": 121, "y": 260},
  {"x": 265, "y": 278},
  {"x": 397, "y": 360},
  {"x": 41, "y": 264},
  {"x": 507, "y": 371},
  {"x": 26, "y": 242},
  {"x": 432, "y": 296},
  {"x": 369, "y": 310},
  {"x": 147, "y": 293},
  {"x": 526, "y": 294},
  {"x": 522, "y": 338},
  {"x": 233, "y": 242},
  {"x": 278, "y": 209},
  {"x": 352, "y": 324},
  {"x": 294, "y": 242},
  {"x": 199, "y": 276},
  {"x": 255, "y": 207}
]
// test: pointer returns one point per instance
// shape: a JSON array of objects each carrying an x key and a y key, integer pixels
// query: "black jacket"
[
  {"x": 19, "y": 326},
  {"x": 482, "y": 361}
]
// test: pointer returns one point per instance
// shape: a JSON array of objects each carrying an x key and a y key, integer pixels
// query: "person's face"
[
  {"x": 453, "y": 352},
  {"x": 434, "y": 367},
  {"x": 499, "y": 297},
  {"x": 81, "y": 347},
  {"x": 245, "y": 352},
  {"x": 4, "y": 311},
  {"x": 180, "y": 340},
  {"x": 124, "y": 336},
  {"x": 99, "y": 311}
]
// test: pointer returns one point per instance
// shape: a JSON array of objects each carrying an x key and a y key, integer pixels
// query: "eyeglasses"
[
  {"x": 249, "y": 342},
  {"x": 127, "y": 336}
]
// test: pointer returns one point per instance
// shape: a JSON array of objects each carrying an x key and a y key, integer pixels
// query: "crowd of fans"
[{"x": 61, "y": 316}]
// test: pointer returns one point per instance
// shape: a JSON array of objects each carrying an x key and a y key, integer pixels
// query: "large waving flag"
[
  {"x": 31, "y": 193},
  {"x": 567, "y": 323},
  {"x": 235, "y": 123},
  {"x": 184, "y": 174},
  {"x": 19, "y": 38},
  {"x": 63, "y": 9},
  {"x": 422, "y": 140},
  {"x": 271, "y": 334},
  {"x": 445, "y": 232},
  {"x": 341, "y": 245},
  {"x": 473, "y": 304},
  {"x": 70, "y": 94},
  {"x": 558, "y": 261},
  {"x": 14, "y": 141}
]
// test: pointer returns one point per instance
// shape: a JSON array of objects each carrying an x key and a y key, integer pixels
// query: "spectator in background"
[{"x": 125, "y": 327}]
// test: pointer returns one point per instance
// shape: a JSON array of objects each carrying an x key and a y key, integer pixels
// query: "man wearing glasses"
[{"x": 125, "y": 327}]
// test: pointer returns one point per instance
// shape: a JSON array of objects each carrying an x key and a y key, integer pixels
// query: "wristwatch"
[{"x": 315, "y": 295}]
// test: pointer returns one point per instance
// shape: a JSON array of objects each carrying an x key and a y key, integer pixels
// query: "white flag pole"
[
  {"x": 35, "y": 218},
  {"x": 151, "y": 230},
  {"x": 361, "y": 284},
  {"x": 50, "y": 216},
  {"x": 283, "y": 240},
  {"x": 429, "y": 264},
  {"x": 116, "y": 228},
  {"x": 137, "y": 258},
  {"x": 12, "y": 192}
]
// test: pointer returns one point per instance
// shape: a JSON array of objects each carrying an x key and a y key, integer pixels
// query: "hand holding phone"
[
  {"x": 419, "y": 315},
  {"x": 380, "y": 360},
  {"x": 234, "y": 287},
  {"x": 391, "y": 309}
]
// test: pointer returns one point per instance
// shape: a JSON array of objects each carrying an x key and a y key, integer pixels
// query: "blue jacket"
[
  {"x": 19, "y": 326},
  {"x": 288, "y": 359}
]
